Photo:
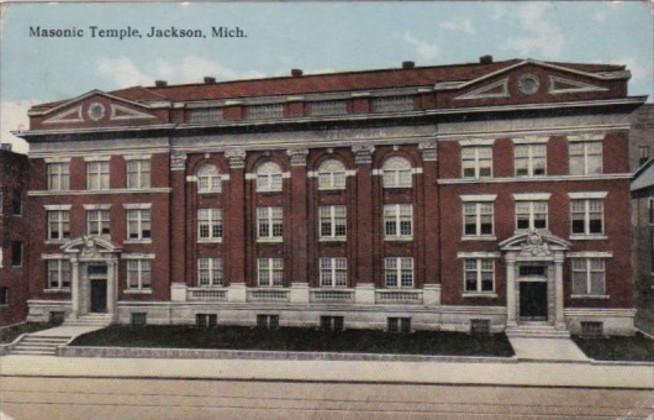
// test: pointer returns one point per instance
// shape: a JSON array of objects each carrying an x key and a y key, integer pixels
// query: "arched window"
[
  {"x": 269, "y": 177},
  {"x": 208, "y": 179},
  {"x": 331, "y": 175},
  {"x": 397, "y": 173}
]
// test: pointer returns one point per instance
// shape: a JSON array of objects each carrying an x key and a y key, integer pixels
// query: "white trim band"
[
  {"x": 55, "y": 159},
  {"x": 478, "y": 255},
  {"x": 97, "y": 206},
  {"x": 587, "y": 137},
  {"x": 589, "y": 254},
  {"x": 137, "y": 157},
  {"x": 57, "y": 206},
  {"x": 96, "y": 158},
  {"x": 587, "y": 195},
  {"x": 42, "y": 193},
  {"x": 477, "y": 142},
  {"x": 137, "y": 256},
  {"x": 532, "y": 196},
  {"x": 137, "y": 206},
  {"x": 530, "y": 140},
  {"x": 54, "y": 256},
  {"x": 478, "y": 197}
]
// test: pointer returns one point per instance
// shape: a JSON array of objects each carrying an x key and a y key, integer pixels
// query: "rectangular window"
[
  {"x": 138, "y": 174},
  {"x": 393, "y": 104},
  {"x": 210, "y": 271},
  {"x": 270, "y": 223},
  {"x": 331, "y": 323},
  {"x": 643, "y": 154},
  {"x": 592, "y": 329},
  {"x": 210, "y": 224},
  {"x": 477, "y": 162},
  {"x": 479, "y": 326},
  {"x": 321, "y": 108},
  {"x": 139, "y": 224},
  {"x": 398, "y": 221},
  {"x": 98, "y": 223},
  {"x": 398, "y": 272},
  {"x": 138, "y": 319},
  {"x": 58, "y": 176},
  {"x": 4, "y": 296},
  {"x": 59, "y": 274},
  {"x": 585, "y": 158},
  {"x": 16, "y": 254},
  {"x": 206, "y": 320},
  {"x": 270, "y": 322},
  {"x": 17, "y": 203},
  {"x": 399, "y": 325},
  {"x": 270, "y": 272},
  {"x": 139, "y": 274},
  {"x": 97, "y": 175},
  {"x": 479, "y": 275},
  {"x": 56, "y": 317},
  {"x": 588, "y": 276},
  {"x": 530, "y": 159},
  {"x": 200, "y": 115},
  {"x": 531, "y": 215},
  {"x": 333, "y": 222},
  {"x": 478, "y": 219},
  {"x": 264, "y": 112},
  {"x": 587, "y": 217},
  {"x": 333, "y": 272},
  {"x": 58, "y": 224}
]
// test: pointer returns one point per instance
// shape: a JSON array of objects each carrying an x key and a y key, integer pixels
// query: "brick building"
[
  {"x": 13, "y": 236},
  {"x": 481, "y": 195}
]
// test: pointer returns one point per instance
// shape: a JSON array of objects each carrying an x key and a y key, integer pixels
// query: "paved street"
[{"x": 99, "y": 399}]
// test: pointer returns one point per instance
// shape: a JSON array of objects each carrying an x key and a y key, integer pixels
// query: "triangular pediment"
[
  {"x": 567, "y": 85},
  {"x": 496, "y": 89},
  {"x": 90, "y": 246},
  {"x": 535, "y": 243}
]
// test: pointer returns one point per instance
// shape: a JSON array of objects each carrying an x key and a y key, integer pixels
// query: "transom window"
[
  {"x": 331, "y": 175},
  {"x": 333, "y": 272},
  {"x": 587, "y": 217},
  {"x": 97, "y": 175},
  {"x": 210, "y": 224},
  {"x": 333, "y": 222},
  {"x": 585, "y": 158},
  {"x": 530, "y": 159},
  {"x": 269, "y": 177},
  {"x": 139, "y": 274},
  {"x": 59, "y": 274},
  {"x": 58, "y": 224},
  {"x": 208, "y": 179},
  {"x": 479, "y": 275},
  {"x": 478, "y": 219},
  {"x": 398, "y": 221},
  {"x": 397, "y": 173},
  {"x": 58, "y": 176},
  {"x": 393, "y": 104},
  {"x": 98, "y": 222},
  {"x": 477, "y": 161},
  {"x": 270, "y": 272},
  {"x": 531, "y": 215},
  {"x": 210, "y": 271},
  {"x": 270, "y": 222},
  {"x": 138, "y": 173},
  {"x": 139, "y": 224},
  {"x": 588, "y": 276},
  {"x": 398, "y": 272}
]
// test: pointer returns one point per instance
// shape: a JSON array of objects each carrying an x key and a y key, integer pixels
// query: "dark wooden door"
[
  {"x": 98, "y": 295},
  {"x": 533, "y": 300}
]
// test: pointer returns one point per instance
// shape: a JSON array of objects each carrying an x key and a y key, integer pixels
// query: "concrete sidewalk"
[
  {"x": 550, "y": 349},
  {"x": 521, "y": 373}
]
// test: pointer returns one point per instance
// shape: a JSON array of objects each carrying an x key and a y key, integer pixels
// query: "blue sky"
[{"x": 316, "y": 37}]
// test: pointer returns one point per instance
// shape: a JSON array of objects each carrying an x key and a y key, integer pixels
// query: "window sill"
[
  {"x": 208, "y": 287},
  {"x": 398, "y": 238},
  {"x": 590, "y": 297},
  {"x": 209, "y": 192},
  {"x": 137, "y": 291},
  {"x": 138, "y": 241},
  {"x": 269, "y": 191},
  {"x": 56, "y": 241},
  {"x": 588, "y": 237},
  {"x": 487, "y": 295},
  {"x": 333, "y": 239},
  {"x": 331, "y": 189},
  {"x": 210, "y": 241},
  {"x": 56, "y": 290},
  {"x": 270, "y": 240},
  {"x": 479, "y": 238},
  {"x": 398, "y": 187}
]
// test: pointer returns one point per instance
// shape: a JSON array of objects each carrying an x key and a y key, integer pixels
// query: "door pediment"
[
  {"x": 534, "y": 244},
  {"x": 91, "y": 247}
]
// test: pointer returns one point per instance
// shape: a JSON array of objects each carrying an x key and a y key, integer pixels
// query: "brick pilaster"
[
  {"x": 298, "y": 219},
  {"x": 431, "y": 221},
  {"x": 235, "y": 217},
  {"x": 364, "y": 211},
  {"x": 178, "y": 217}
]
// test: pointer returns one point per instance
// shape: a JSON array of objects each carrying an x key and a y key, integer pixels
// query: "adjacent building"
[{"x": 487, "y": 195}]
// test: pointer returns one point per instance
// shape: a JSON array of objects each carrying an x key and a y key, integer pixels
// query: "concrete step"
[
  {"x": 540, "y": 331},
  {"x": 45, "y": 339},
  {"x": 34, "y": 352},
  {"x": 34, "y": 347}
]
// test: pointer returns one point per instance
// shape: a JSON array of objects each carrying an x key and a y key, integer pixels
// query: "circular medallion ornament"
[
  {"x": 528, "y": 84},
  {"x": 96, "y": 111}
]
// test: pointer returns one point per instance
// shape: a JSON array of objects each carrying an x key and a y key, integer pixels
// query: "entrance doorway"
[
  {"x": 533, "y": 300},
  {"x": 98, "y": 279}
]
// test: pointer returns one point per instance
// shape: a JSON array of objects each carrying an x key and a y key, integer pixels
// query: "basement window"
[
  {"x": 139, "y": 319},
  {"x": 206, "y": 320},
  {"x": 270, "y": 322},
  {"x": 56, "y": 317},
  {"x": 331, "y": 323},
  {"x": 399, "y": 325},
  {"x": 480, "y": 327},
  {"x": 592, "y": 329}
]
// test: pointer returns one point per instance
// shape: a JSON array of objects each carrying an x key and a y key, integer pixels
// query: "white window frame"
[
  {"x": 396, "y": 266},
  {"x": 478, "y": 216},
  {"x": 98, "y": 222},
  {"x": 331, "y": 218},
  {"x": 142, "y": 169},
  {"x": 479, "y": 270},
  {"x": 266, "y": 269},
  {"x": 397, "y": 173},
  {"x": 141, "y": 221},
  {"x": 269, "y": 216},
  {"x": 214, "y": 271},
  {"x": 476, "y": 161},
  {"x": 212, "y": 218},
  {"x": 531, "y": 215},
  {"x": 587, "y": 232},
  {"x": 209, "y": 179},
  {"x": 588, "y": 271},
  {"x": 50, "y": 283},
  {"x": 331, "y": 270},
  {"x": 395, "y": 215},
  {"x": 140, "y": 265},
  {"x": 60, "y": 222},
  {"x": 332, "y": 175},
  {"x": 60, "y": 173},
  {"x": 531, "y": 157},
  {"x": 586, "y": 156},
  {"x": 269, "y": 177},
  {"x": 100, "y": 169}
]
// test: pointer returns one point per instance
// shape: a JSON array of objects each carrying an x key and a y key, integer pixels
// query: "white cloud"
[
  {"x": 121, "y": 71},
  {"x": 601, "y": 15},
  {"x": 459, "y": 25},
  {"x": 639, "y": 71},
  {"x": 423, "y": 49},
  {"x": 541, "y": 37},
  {"x": 13, "y": 116}
]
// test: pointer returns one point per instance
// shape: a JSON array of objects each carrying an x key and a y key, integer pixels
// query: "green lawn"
[
  {"x": 299, "y": 339},
  {"x": 7, "y": 335},
  {"x": 636, "y": 348}
]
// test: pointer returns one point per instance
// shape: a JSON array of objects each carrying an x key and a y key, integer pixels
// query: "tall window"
[
  {"x": 59, "y": 274},
  {"x": 58, "y": 224},
  {"x": 270, "y": 272},
  {"x": 530, "y": 159},
  {"x": 269, "y": 177},
  {"x": 643, "y": 154},
  {"x": 17, "y": 203},
  {"x": 333, "y": 222},
  {"x": 210, "y": 224},
  {"x": 139, "y": 224},
  {"x": 210, "y": 271},
  {"x": 588, "y": 276},
  {"x": 479, "y": 275},
  {"x": 333, "y": 272},
  {"x": 270, "y": 223},
  {"x": 331, "y": 175},
  {"x": 478, "y": 219},
  {"x": 398, "y": 272},
  {"x": 398, "y": 221},
  {"x": 587, "y": 217},
  {"x": 98, "y": 222},
  {"x": 585, "y": 158},
  {"x": 397, "y": 173},
  {"x": 16, "y": 254},
  {"x": 393, "y": 104},
  {"x": 139, "y": 274},
  {"x": 138, "y": 173},
  {"x": 4, "y": 295},
  {"x": 209, "y": 179},
  {"x": 477, "y": 161},
  {"x": 97, "y": 175},
  {"x": 531, "y": 215},
  {"x": 58, "y": 176}
]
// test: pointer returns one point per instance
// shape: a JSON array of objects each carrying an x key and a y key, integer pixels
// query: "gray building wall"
[{"x": 641, "y": 136}]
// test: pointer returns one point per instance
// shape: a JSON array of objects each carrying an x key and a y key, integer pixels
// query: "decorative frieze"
[
  {"x": 363, "y": 153},
  {"x": 236, "y": 158},
  {"x": 298, "y": 156},
  {"x": 177, "y": 161},
  {"x": 429, "y": 151}
]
